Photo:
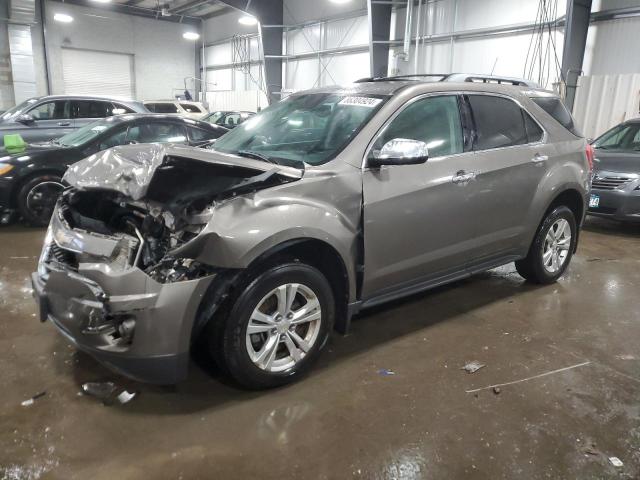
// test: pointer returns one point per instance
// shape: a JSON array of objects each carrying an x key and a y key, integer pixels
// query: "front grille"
[{"x": 609, "y": 183}]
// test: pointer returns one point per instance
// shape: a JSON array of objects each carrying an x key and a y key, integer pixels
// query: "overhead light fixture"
[
  {"x": 248, "y": 20},
  {"x": 191, "y": 35},
  {"x": 63, "y": 17},
  {"x": 339, "y": 1},
  {"x": 101, "y": 1}
]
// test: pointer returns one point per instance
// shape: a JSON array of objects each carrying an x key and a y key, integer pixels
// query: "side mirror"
[
  {"x": 25, "y": 118},
  {"x": 590, "y": 140},
  {"x": 399, "y": 151}
]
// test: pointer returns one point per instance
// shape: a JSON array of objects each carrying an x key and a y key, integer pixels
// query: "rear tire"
[
  {"x": 290, "y": 310},
  {"x": 552, "y": 248},
  {"x": 37, "y": 198}
]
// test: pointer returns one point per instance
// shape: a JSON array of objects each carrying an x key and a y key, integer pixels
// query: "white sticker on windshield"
[{"x": 360, "y": 101}]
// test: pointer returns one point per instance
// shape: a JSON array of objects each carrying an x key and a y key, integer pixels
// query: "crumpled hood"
[{"x": 129, "y": 169}]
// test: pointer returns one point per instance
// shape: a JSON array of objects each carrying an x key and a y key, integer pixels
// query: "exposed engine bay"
[{"x": 175, "y": 205}]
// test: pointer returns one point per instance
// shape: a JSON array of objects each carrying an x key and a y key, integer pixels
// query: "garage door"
[{"x": 88, "y": 72}]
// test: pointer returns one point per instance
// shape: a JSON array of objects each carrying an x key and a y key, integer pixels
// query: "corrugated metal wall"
[{"x": 603, "y": 101}]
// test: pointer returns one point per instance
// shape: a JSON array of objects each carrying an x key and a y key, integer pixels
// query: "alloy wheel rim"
[
  {"x": 556, "y": 246},
  {"x": 42, "y": 198},
  {"x": 283, "y": 327}
]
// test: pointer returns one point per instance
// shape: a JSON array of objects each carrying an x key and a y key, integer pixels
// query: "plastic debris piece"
[
  {"x": 616, "y": 462},
  {"x": 126, "y": 397},
  {"x": 101, "y": 390},
  {"x": 32, "y": 400},
  {"x": 473, "y": 367},
  {"x": 385, "y": 372},
  {"x": 496, "y": 390}
]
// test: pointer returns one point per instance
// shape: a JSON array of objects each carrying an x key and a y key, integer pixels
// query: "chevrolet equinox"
[{"x": 326, "y": 203}]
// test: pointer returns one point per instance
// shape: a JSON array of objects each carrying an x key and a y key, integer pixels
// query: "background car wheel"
[
  {"x": 37, "y": 198},
  {"x": 275, "y": 328},
  {"x": 552, "y": 248}
]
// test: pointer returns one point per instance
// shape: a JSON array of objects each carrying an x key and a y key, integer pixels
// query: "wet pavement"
[{"x": 389, "y": 401}]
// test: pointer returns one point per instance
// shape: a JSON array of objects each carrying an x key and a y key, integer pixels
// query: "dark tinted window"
[
  {"x": 554, "y": 107},
  {"x": 620, "y": 137},
  {"x": 433, "y": 120},
  {"x": 91, "y": 109},
  {"x": 199, "y": 134},
  {"x": 116, "y": 138},
  {"x": 191, "y": 108},
  {"x": 534, "y": 132},
  {"x": 163, "y": 132},
  {"x": 499, "y": 122},
  {"x": 162, "y": 107},
  {"x": 56, "y": 110}
]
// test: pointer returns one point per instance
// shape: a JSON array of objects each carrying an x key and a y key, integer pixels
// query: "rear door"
[
  {"x": 418, "y": 221},
  {"x": 87, "y": 111},
  {"x": 511, "y": 161}
]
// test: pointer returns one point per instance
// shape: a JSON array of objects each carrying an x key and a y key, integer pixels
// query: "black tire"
[
  {"x": 35, "y": 214},
  {"x": 227, "y": 339},
  {"x": 532, "y": 267}
]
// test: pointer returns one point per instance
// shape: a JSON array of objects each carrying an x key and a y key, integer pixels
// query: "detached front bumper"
[{"x": 122, "y": 317}]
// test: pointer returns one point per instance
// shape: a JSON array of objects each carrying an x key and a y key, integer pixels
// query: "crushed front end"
[{"x": 109, "y": 276}]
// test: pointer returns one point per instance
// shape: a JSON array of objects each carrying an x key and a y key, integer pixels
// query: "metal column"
[
  {"x": 575, "y": 40},
  {"x": 270, "y": 15},
  {"x": 379, "y": 29}
]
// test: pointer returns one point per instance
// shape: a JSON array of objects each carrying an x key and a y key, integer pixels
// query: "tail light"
[{"x": 590, "y": 155}]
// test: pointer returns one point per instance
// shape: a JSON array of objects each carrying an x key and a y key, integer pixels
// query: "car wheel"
[
  {"x": 37, "y": 198},
  {"x": 275, "y": 328},
  {"x": 552, "y": 248}
]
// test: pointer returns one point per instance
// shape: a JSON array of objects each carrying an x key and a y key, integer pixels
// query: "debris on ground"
[
  {"x": 496, "y": 390},
  {"x": 385, "y": 372},
  {"x": 31, "y": 401},
  {"x": 101, "y": 390},
  {"x": 591, "y": 450},
  {"x": 616, "y": 462},
  {"x": 473, "y": 367},
  {"x": 126, "y": 397},
  {"x": 626, "y": 357}
]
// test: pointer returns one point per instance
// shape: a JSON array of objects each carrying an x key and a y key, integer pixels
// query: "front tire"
[
  {"x": 552, "y": 248},
  {"x": 276, "y": 327},
  {"x": 37, "y": 198}
]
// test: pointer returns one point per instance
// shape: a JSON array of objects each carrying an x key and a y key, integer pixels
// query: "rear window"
[
  {"x": 162, "y": 107},
  {"x": 554, "y": 107}
]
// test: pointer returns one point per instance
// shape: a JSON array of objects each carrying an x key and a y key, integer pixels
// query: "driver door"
[{"x": 418, "y": 223}]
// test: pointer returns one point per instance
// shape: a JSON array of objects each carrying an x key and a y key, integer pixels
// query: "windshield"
[
  {"x": 213, "y": 117},
  {"x": 18, "y": 109},
  {"x": 86, "y": 133},
  {"x": 310, "y": 128},
  {"x": 621, "y": 137}
]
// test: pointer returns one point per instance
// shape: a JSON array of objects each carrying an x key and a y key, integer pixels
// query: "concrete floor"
[{"x": 347, "y": 420}]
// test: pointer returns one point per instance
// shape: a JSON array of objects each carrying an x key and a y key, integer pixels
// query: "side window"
[
  {"x": 162, "y": 132},
  {"x": 50, "y": 111},
  {"x": 190, "y": 108},
  {"x": 499, "y": 122},
  {"x": 554, "y": 107},
  {"x": 199, "y": 134},
  {"x": 117, "y": 138},
  {"x": 119, "y": 109},
  {"x": 232, "y": 120},
  {"x": 162, "y": 107},
  {"x": 91, "y": 109},
  {"x": 534, "y": 132},
  {"x": 433, "y": 120}
]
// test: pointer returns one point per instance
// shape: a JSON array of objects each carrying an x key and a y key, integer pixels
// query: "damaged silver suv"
[{"x": 329, "y": 202}]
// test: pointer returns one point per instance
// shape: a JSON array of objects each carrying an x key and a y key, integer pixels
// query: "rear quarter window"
[{"x": 554, "y": 107}]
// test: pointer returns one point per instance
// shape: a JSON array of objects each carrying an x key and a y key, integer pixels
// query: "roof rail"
[{"x": 455, "y": 77}]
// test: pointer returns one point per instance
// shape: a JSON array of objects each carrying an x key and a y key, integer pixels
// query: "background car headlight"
[{"x": 5, "y": 168}]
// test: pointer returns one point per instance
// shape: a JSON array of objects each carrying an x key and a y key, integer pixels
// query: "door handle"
[
  {"x": 64, "y": 124},
  {"x": 537, "y": 158},
  {"x": 462, "y": 178}
]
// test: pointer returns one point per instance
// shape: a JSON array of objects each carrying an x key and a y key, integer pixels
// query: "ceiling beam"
[
  {"x": 134, "y": 11},
  {"x": 217, "y": 13}
]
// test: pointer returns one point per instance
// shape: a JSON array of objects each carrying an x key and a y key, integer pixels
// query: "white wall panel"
[
  {"x": 612, "y": 47},
  {"x": 220, "y": 79},
  {"x": 350, "y": 31},
  {"x": 301, "y": 74},
  {"x": 342, "y": 69},
  {"x": 303, "y": 40},
  {"x": 218, "y": 54},
  {"x": 250, "y": 100},
  {"x": 299, "y": 11},
  {"x": 603, "y": 101},
  {"x": 474, "y": 14}
]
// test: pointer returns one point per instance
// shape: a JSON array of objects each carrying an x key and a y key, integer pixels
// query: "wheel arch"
[{"x": 24, "y": 179}]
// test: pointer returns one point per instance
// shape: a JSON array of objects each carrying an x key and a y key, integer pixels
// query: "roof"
[
  {"x": 88, "y": 97},
  {"x": 129, "y": 117},
  {"x": 390, "y": 87}
]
